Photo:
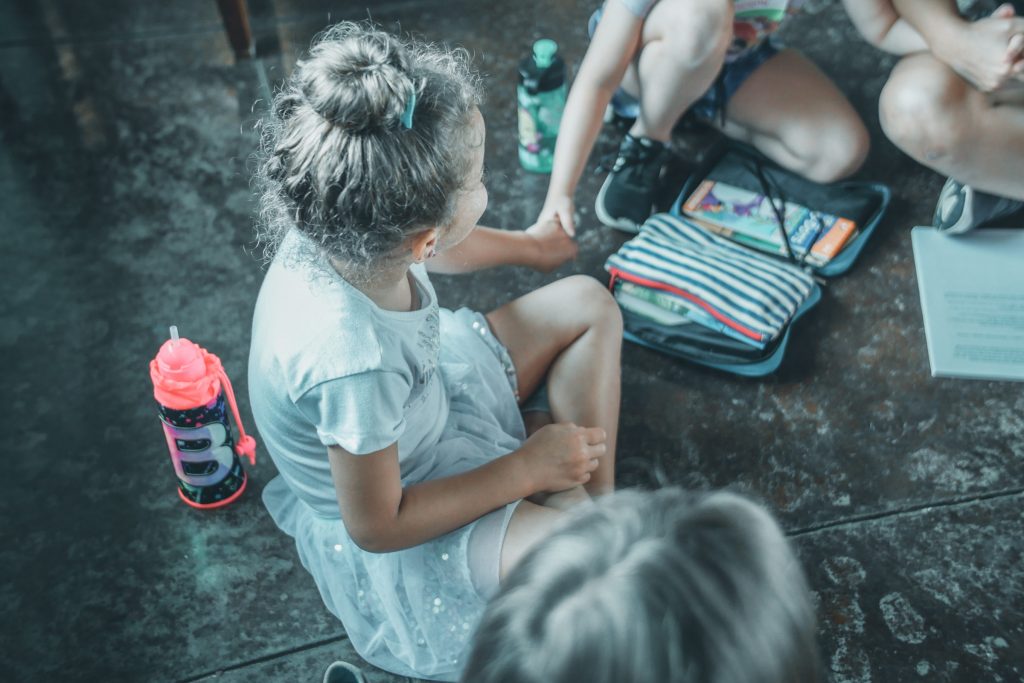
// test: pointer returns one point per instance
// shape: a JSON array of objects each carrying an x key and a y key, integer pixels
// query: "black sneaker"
[
  {"x": 627, "y": 196},
  {"x": 961, "y": 208}
]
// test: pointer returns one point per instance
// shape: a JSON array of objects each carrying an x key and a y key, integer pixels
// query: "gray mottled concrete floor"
[{"x": 126, "y": 129}]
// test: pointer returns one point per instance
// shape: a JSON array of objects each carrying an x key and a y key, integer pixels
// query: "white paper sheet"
[{"x": 972, "y": 298}]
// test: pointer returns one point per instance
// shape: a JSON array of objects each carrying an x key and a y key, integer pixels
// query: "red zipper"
[{"x": 654, "y": 284}]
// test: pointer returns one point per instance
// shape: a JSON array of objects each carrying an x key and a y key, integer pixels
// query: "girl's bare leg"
[
  {"x": 563, "y": 500},
  {"x": 947, "y": 124},
  {"x": 792, "y": 112},
  {"x": 571, "y": 332},
  {"x": 530, "y": 524},
  {"x": 683, "y": 48}
]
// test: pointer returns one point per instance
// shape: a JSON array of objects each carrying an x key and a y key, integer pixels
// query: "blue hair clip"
[{"x": 410, "y": 106}]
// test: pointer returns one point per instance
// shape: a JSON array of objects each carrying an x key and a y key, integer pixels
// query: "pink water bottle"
[{"x": 190, "y": 385}]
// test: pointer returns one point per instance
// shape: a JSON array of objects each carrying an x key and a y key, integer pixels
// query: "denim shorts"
[{"x": 711, "y": 105}]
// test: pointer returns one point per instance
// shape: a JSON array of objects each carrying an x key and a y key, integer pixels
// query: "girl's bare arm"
[
  {"x": 987, "y": 52},
  {"x": 543, "y": 246},
  {"x": 882, "y": 26},
  {"x": 611, "y": 50},
  {"x": 383, "y": 516}
]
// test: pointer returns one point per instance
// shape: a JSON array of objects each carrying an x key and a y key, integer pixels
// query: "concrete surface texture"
[{"x": 127, "y": 129}]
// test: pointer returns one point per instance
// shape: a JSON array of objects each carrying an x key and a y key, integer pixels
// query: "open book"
[
  {"x": 972, "y": 299},
  {"x": 749, "y": 218}
]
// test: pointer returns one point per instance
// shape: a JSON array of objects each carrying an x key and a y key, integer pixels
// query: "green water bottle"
[{"x": 541, "y": 93}]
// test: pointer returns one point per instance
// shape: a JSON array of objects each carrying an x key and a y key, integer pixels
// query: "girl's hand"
[
  {"x": 989, "y": 51},
  {"x": 560, "y": 456},
  {"x": 553, "y": 246},
  {"x": 562, "y": 209}
]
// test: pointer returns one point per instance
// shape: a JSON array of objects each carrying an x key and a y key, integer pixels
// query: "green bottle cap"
[{"x": 544, "y": 51}]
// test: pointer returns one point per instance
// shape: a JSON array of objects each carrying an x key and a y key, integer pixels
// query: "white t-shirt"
[{"x": 327, "y": 366}]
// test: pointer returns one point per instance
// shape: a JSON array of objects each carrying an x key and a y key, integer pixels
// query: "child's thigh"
[
  {"x": 538, "y": 326},
  {"x": 689, "y": 21},
  {"x": 530, "y": 524},
  {"x": 788, "y": 98}
]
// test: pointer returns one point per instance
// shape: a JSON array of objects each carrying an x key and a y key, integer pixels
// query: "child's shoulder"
[{"x": 314, "y": 328}]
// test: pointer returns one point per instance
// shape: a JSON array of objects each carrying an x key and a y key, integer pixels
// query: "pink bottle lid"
[
  {"x": 186, "y": 376},
  {"x": 181, "y": 360}
]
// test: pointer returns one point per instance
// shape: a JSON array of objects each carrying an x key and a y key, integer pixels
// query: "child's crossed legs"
[{"x": 569, "y": 332}]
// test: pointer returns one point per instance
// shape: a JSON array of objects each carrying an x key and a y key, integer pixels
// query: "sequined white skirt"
[{"x": 413, "y": 612}]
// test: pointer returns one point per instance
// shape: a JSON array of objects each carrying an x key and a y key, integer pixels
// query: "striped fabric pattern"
[{"x": 753, "y": 294}]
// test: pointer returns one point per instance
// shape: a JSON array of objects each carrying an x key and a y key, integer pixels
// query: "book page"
[{"x": 972, "y": 299}]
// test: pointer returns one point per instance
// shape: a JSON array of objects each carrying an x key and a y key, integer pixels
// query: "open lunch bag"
[{"x": 698, "y": 290}]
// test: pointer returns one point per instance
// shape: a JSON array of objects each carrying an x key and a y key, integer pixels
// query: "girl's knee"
[
  {"x": 606, "y": 312},
  {"x": 611, "y": 316},
  {"x": 595, "y": 301},
  {"x": 922, "y": 107},
  {"x": 840, "y": 152},
  {"x": 693, "y": 31}
]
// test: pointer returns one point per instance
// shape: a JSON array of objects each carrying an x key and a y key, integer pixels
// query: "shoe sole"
[
  {"x": 965, "y": 220},
  {"x": 623, "y": 224},
  {"x": 978, "y": 212}
]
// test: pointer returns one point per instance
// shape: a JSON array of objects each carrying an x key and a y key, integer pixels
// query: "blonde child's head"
[
  {"x": 372, "y": 139},
  {"x": 658, "y": 587}
]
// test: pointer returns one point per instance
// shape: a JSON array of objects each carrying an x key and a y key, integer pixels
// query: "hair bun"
[{"x": 357, "y": 79}]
